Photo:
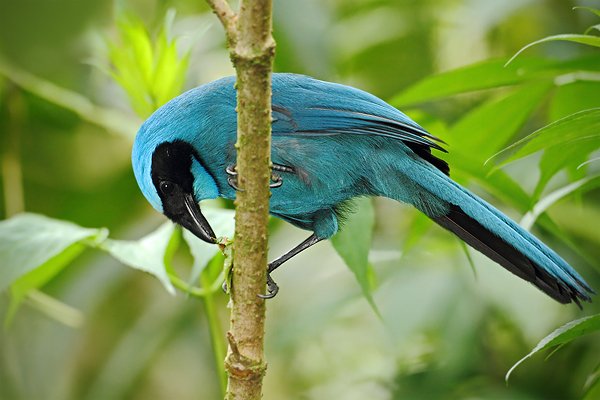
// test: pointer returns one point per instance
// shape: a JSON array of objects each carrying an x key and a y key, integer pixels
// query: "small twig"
[{"x": 227, "y": 17}]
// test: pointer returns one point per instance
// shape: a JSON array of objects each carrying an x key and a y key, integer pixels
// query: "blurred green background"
[{"x": 446, "y": 332}]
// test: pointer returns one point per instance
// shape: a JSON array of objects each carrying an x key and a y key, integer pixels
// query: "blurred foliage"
[
  {"x": 150, "y": 71},
  {"x": 442, "y": 334}
]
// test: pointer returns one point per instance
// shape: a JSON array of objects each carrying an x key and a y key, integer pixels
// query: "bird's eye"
[{"x": 167, "y": 187}]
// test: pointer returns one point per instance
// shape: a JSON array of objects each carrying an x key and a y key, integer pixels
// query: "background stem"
[{"x": 216, "y": 333}]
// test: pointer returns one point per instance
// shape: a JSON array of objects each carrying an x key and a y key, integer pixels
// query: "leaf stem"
[{"x": 216, "y": 332}]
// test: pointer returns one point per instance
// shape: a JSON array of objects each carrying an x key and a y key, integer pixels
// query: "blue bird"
[{"x": 330, "y": 143}]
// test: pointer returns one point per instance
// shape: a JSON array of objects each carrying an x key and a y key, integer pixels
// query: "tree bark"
[{"x": 252, "y": 49}]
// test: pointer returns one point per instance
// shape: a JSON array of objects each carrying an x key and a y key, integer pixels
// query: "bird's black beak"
[{"x": 194, "y": 221}]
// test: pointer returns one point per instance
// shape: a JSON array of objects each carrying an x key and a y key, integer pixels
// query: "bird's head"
[{"x": 168, "y": 166}]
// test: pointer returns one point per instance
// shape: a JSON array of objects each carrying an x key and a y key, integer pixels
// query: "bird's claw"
[
  {"x": 276, "y": 180},
  {"x": 232, "y": 178},
  {"x": 272, "y": 289},
  {"x": 225, "y": 287}
]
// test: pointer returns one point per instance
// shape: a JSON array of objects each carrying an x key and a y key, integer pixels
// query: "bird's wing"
[
  {"x": 304, "y": 106},
  {"x": 326, "y": 121}
]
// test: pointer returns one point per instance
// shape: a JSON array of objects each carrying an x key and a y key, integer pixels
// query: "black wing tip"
[
  {"x": 485, "y": 241},
  {"x": 567, "y": 294}
]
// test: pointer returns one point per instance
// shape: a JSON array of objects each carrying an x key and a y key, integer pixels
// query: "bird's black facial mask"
[{"x": 174, "y": 182}]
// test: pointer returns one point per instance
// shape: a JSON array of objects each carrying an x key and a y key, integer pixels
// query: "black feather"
[{"x": 481, "y": 239}]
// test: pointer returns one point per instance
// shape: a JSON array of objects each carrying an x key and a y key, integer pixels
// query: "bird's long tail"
[{"x": 489, "y": 231}]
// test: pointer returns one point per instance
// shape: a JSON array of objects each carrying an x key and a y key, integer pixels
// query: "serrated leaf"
[
  {"x": 28, "y": 241},
  {"x": 568, "y": 37},
  {"x": 146, "y": 254},
  {"x": 562, "y": 335},
  {"x": 487, "y": 128},
  {"x": 223, "y": 221},
  {"x": 353, "y": 243},
  {"x": 579, "y": 129}
]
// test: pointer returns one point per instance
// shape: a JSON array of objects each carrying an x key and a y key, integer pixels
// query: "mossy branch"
[{"x": 252, "y": 49}]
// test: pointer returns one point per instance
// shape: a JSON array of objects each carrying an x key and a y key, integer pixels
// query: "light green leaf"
[
  {"x": 484, "y": 75},
  {"x": 353, "y": 243},
  {"x": 28, "y": 241},
  {"x": 557, "y": 158},
  {"x": 496, "y": 182},
  {"x": 483, "y": 131},
  {"x": 109, "y": 119},
  {"x": 487, "y": 75},
  {"x": 592, "y": 385},
  {"x": 55, "y": 309},
  {"x": 590, "y": 9},
  {"x": 139, "y": 49},
  {"x": 146, "y": 254},
  {"x": 581, "y": 185},
  {"x": 568, "y": 37},
  {"x": 224, "y": 223},
  {"x": 591, "y": 28},
  {"x": 579, "y": 129},
  {"x": 150, "y": 71},
  {"x": 418, "y": 228},
  {"x": 562, "y": 335}
]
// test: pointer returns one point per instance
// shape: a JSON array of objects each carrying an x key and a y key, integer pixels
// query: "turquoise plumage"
[{"x": 330, "y": 143}]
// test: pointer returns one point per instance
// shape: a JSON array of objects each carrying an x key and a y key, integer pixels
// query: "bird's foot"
[
  {"x": 232, "y": 177},
  {"x": 276, "y": 180},
  {"x": 272, "y": 288}
]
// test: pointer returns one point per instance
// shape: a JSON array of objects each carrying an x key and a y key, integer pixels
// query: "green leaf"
[
  {"x": 568, "y": 37},
  {"x": 557, "y": 158},
  {"x": 590, "y": 9},
  {"x": 483, "y": 131},
  {"x": 541, "y": 206},
  {"x": 146, "y": 254},
  {"x": 495, "y": 181},
  {"x": 224, "y": 223},
  {"x": 150, "y": 71},
  {"x": 484, "y": 75},
  {"x": 353, "y": 243},
  {"x": 579, "y": 129},
  {"x": 592, "y": 385},
  {"x": 591, "y": 28},
  {"x": 418, "y": 228},
  {"x": 487, "y": 75},
  {"x": 29, "y": 241},
  {"x": 562, "y": 335}
]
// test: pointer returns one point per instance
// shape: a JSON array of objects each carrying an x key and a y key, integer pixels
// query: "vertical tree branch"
[{"x": 252, "y": 49}]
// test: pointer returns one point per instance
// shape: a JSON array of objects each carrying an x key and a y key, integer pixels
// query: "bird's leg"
[
  {"x": 272, "y": 287},
  {"x": 276, "y": 179}
]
